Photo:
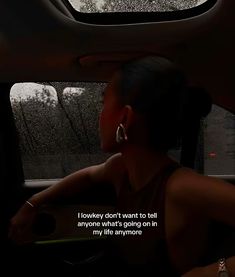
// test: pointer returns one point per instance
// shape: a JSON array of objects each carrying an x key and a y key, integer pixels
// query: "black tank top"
[{"x": 147, "y": 252}]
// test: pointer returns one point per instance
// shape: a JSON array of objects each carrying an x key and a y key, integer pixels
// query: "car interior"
[{"x": 48, "y": 41}]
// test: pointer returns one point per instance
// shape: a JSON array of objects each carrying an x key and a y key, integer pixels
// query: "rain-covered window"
[
  {"x": 219, "y": 142},
  {"x": 94, "y": 6},
  {"x": 58, "y": 127}
]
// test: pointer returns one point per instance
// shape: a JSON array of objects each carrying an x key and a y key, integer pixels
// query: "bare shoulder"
[
  {"x": 114, "y": 167},
  {"x": 186, "y": 180},
  {"x": 106, "y": 171},
  {"x": 209, "y": 195},
  {"x": 111, "y": 171}
]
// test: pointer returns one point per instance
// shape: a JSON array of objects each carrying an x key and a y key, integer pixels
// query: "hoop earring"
[{"x": 121, "y": 135}]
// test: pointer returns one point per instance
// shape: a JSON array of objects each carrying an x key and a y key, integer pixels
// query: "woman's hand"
[{"x": 21, "y": 224}]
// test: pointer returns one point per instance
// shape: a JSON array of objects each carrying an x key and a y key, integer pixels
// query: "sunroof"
[{"x": 102, "y": 6}]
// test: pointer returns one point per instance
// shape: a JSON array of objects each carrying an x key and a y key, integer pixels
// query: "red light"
[{"x": 212, "y": 154}]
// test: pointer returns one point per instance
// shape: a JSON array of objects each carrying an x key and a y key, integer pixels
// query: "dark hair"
[{"x": 157, "y": 90}]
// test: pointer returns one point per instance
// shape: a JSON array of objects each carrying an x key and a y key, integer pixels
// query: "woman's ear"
[{"x": 127, "y": 116}]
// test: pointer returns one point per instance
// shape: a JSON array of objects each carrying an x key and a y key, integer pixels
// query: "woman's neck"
[{"x": 143, "y": 164}]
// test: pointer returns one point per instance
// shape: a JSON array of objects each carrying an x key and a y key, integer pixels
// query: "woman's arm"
[
  {"x": 209, "y": 197},
  {"x": 68, "y": 187},
  {"x": 78, "y": 181}
]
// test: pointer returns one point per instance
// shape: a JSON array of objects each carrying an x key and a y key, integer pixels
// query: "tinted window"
[
  {"x": 219, "y": 142},
  {"x": 58, "y": 127}
]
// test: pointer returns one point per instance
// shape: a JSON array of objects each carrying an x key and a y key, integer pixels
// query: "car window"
[
  {"x": 57, "y": 126},
  {"x": 219, "y": 142},
  {"x": 88, "y": 6}
]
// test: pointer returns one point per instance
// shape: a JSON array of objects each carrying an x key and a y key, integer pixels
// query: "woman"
[{"x": 141, "y": 119}]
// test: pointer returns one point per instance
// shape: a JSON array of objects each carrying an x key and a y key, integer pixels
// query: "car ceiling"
[{"x": 41, "y": 41}]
